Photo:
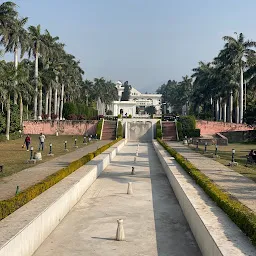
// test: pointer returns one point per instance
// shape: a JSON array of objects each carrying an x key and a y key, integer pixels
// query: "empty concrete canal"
[{"x": 153, "y": 220}]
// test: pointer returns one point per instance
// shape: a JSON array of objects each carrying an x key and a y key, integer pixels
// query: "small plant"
[
  {"x": 99, "y": 128},
  {"x": 119, "y": 130},
  {"x": 159, "y": 133}
]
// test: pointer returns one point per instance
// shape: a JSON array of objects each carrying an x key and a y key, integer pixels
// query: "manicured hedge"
[
  {"x": 242, "y": 216},
  {"x": 159, "y": 133},
  {"x": 99, "y": 128},
  {"x": 190, "y": 133},
  {"x": 10, "y": 205},
  {"x": 187, "y": 122},
  {"x": 119, "y": 130}
]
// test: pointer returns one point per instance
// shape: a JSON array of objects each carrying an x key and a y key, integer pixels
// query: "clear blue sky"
[{"x": 146, "y": 42}]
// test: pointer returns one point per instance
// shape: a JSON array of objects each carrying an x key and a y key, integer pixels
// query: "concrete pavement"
[{"x": 153, "y": 220}]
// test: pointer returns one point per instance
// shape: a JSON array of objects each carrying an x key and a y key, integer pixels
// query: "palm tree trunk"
[
  {"x": 241, "y": 105},
  {"x": 15, "y": 98},
  {"x": 27, "y": 111},
  {"x": 40, "y": 107},
  {"x": 225, "y": 111},
  {"x": 55, "y": 101},
  {"x": 58, "y": 108},
  {"x": 237, "y": 110},
  {"x": 36, "y": 86},
  {"x": 8, "y": 117},
  {"x": 61, "y": 100},
  {"x": 231, "y": 106},
  {"x": 21, "y": 110},
  {"x": 217, "y": 111},
  {"x": 220, "y": 109},
  {"x": 50, "y": 103},
  {"x": 46, "y": 102}
]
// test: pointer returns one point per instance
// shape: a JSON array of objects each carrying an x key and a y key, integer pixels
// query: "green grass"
[
  {"x": 14, "y": 157},
  {"x": 225, "y": 152}
]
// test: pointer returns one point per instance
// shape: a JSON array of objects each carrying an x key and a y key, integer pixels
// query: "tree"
[
  {"x": 238, "y": 49},
  {"x": 127, "y": 91},
  {"x": 14, "y": 39},
  {"x": 37, "y": 47}
]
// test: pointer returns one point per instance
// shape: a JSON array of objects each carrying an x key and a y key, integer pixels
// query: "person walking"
[
  {"x": 41, "y": 141},
  {"x": 27, "y": 141}
]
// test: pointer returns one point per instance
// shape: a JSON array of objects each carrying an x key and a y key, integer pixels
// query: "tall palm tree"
[
  {"x": 37, "y": 47},
  {"x": 8, "y": 77},
  {"x": 14, "y": 39},
  {"x": 8, "y": 13},
  {"x": 238, "y": 49}
]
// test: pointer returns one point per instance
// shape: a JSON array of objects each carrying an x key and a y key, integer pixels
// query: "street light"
[
  {"x": 233, "y": 155},
  {"x": 216, "y": 149},
  {"x": 31, "y": 153},
  {"x": 205, "y": 147}
]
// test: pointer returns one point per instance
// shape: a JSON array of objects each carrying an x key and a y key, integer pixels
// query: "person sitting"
[{"x": 252, "y": 154}]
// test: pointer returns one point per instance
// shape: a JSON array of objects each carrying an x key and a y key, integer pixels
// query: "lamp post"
[
  {"x": 50, "y": 148},
  {"x": 205, "y": 147},
  {"x": 233, "y": 155},
  {"x": 216, "y": 149},
  {"x": 31, "y": 153}
]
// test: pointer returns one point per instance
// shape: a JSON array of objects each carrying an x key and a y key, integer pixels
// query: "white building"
[{"x": 137, "y": 102}]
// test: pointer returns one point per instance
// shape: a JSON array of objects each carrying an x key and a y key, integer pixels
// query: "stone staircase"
[
  {"x": 109, "y": 130},
  {"x": 169, "y": 131}
]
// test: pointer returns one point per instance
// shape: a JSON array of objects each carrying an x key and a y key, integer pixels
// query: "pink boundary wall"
[
  {"x": 63, "y": 127},
  {"x": 211, "y": 127}
]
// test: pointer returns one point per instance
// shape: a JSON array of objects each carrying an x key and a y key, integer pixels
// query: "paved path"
[
  {"x": 32, "y": 175},
  {"x": 153, "y": 220},
  {"x": 234, "y": 183}
]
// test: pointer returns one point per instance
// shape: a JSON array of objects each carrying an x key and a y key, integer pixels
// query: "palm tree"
[
  {"x": 37, "y": 47},
  {"x": 238, "y": 49},
  {"x": 14, "y": 39},
  {"x": 8, "y": 14},
  {"x": 8, "y": 77}
]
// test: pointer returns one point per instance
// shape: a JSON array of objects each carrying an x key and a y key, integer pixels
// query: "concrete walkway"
[
  {"x": 32, "y": 175},
  {"x": 234, "y": 183},
  {"x": 153, "y": 220}
]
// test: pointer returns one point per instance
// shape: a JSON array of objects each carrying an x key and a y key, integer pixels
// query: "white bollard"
[
  {"x": 120, "y": 231},
  {"x": 129, "y": 190}
]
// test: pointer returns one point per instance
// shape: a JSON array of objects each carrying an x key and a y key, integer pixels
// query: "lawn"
[
  {"x": 225, "y": 152},
  {"x": 14, "y": 157}
]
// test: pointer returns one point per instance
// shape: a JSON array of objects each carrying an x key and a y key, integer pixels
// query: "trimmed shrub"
[
  {"x": 187, "y": 122},
  {"x": 159, "y": 133},
  {"x": 99, "y": 128},
  {"x": 190, "y": 133},
  {"x": 10, "y": 205},
  {"x": 119, "y": 130},
  {"x": 73, "y": 111},
  {"x": 242, "y": 216}
]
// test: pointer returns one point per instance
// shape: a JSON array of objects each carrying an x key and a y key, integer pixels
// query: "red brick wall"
[
  {"x": 63, "y": 127},
  {"x": 210, "y": 127}
]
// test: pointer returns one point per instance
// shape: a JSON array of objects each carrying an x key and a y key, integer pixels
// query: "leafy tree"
[{"x": 127, "y": 91}]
